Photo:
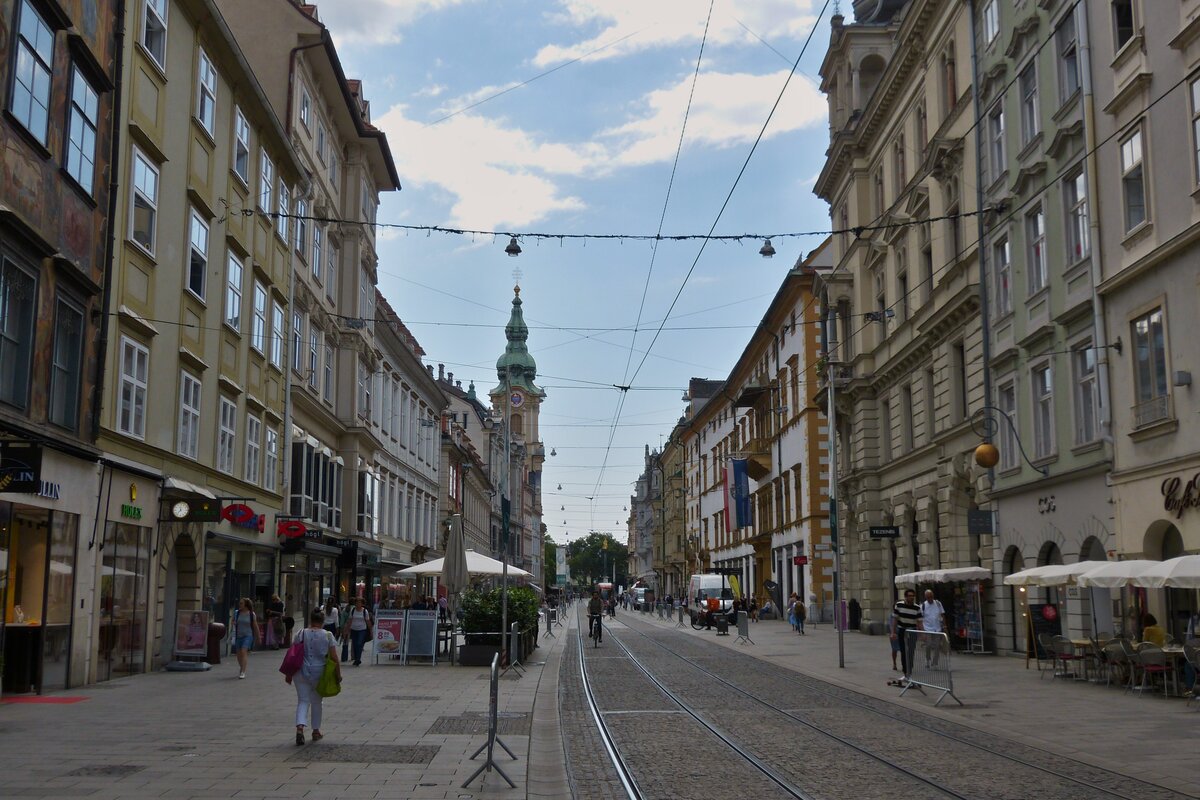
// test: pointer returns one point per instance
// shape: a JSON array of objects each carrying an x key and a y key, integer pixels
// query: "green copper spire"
[{"x": 516, "y": 368}]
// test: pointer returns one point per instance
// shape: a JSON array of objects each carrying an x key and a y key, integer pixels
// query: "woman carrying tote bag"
[{"x": 319, "y": 645}]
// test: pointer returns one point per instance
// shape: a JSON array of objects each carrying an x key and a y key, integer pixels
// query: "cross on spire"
[{"x": 517, "y": 275}]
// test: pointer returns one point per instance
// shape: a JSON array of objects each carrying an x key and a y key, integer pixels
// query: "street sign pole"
[{"x": 832, "y": 344}]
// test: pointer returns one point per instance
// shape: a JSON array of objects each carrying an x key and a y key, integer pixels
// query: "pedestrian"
[
  {"x": 906, "y": 616},
  {"x": 933, "y": 619},
  {"x": 855, "y": 614},
  {"x": 289, "y": 622},
  {"x": 332, "y": 616},
  {"x": 801, "y": 615},
  {"x": 753, "y": 609},
  {"x": 274, "y": 622},
  {"x": 895, "y": 642},
  {"x": 357, "y": 629},
  {"x": 319, "y": 645},
  {"x": 791, "y": 611},
  {"x": 443, "y": 608},
  {"x": 245, "y": 633}
]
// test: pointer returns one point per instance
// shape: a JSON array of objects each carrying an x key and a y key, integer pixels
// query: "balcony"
[
  {"x": 758, "y": 458},
  {"x": 1152, "y": 411}
]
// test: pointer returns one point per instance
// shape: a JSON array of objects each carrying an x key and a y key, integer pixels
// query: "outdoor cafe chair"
[
  {"x": 1153, "y": 661},
  {"x": 1191, "y": 653},
  {"x": 1065, "y": 651},
  {"x": 1099, "y": 658},
  {"x": 1116, "y": 661},
  {"x": 1047, "y": 643}
]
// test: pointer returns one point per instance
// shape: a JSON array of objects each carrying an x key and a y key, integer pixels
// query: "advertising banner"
[
  {"x": 389, "y": 632},
  {"x": 741, "y": 493},
  {"x": 560, "y": 570},
  {"x": 727, "y": 485},
  {"x": 191, "y": 633}
]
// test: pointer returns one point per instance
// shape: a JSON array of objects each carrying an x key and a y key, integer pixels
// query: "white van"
[
  {"x": 704, "y": 587},
  {"x": 639, "y": 597}
]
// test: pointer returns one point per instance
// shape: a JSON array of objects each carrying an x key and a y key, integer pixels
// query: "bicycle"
[{"x": 594, "y": 633}]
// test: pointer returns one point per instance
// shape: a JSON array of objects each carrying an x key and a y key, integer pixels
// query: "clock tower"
[{"x": 517, "y": 397}]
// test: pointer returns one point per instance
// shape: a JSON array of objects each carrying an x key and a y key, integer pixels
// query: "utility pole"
[{"x": 831, "y": 346}]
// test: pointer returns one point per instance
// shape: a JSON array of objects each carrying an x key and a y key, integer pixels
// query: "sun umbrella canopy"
[
  {"x": 1114, "y": 574},
  {"x": 943, "y": 576},
  {"x": 1051, "y": 574},
  {"x": 477, "y": 564},
  {"x": 455, "y": 571},
  {"x": 1174, "y": 573}
]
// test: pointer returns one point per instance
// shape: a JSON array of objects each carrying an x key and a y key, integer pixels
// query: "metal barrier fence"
[
  {"x": 929, "y": 663},
  {"x": 680, "y": 624},
  {"x": 492, "y": 739},
  {"x": 743, "y": 626}
]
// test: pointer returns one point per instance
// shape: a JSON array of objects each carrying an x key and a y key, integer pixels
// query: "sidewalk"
[
  {"x": 393, "y": 732},
  {"x": 1148, "y": 738}
]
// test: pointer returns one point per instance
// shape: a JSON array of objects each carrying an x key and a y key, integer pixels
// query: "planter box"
[{"x": 477, "y": 655}]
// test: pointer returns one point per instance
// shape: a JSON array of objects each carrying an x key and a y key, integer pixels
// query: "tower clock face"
[{"x": 516, "y": 399}]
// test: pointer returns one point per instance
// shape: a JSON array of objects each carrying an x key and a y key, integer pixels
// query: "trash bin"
[
  {"x": 216, "y": 632},
  {"x": 722, "y": 621}
]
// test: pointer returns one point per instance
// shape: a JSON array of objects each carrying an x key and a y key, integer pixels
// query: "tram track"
[{"x": 922, "y": 723}]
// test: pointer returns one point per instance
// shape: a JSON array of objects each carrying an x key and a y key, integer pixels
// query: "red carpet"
[{"x": 52, "y": 699}]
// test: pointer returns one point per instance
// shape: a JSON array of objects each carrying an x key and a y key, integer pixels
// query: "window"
[
  {"x": 885, "y": 431},
  {"x": 364, "y": 390},
  {"x": 949, "y": 79},
  {"x": 197, "y": 254},
  {"x": 1067, "y": 44},
  {"x": 958, "y": 365},
  {"x": 318, "y": 254},
  {"x": 926, "y": 260},
  {"x": 1043, "y": 411},
  {"x": 930, "y": 405},
  {"x": 899, "y": 167},
  {"x": 226, "y": 436},
  {"x": 302, "y": 227},
  {"x": 877, "y": 182},
  {"x": 991, "y": 22},
  {"x": 1123, "y": 24},
  {"x": 233, "y": 293},
  {"x": 253, "y": 448},
  {"x": 901, "y": 286},
  {"x": 1028, "y": 88},
  {"x": 397, "y": 407},
  {"x": 906, "y": 418},
  {"x": 1196, "y": 127},
  {"x": 1083, "y": 378},
  {"x": 145, "y": 201},
  {"x": 271, "y": 460},
  {"x": 327, "y": 386},
  {"x": 1075, "y": 200},
  {"x": 66, "y": 365},
  {"x": 18, "y": 304},
  {"x": 404, "y": 428},
  {"x": 241, "y": 146},
  {"x": 206, "y": 100},
  {"x": 297, "y": 338},
  {"x": 131, "y": 407},
  {"x": 331, "y": 275},
  {"x": 321, "y": 141},
  {"x": 1149, "y": 369},
  {"x": 366, "y": 297},
  {"x": 1007, "y": 444},
  {"x": 997, "y": 161},
  {"x": 282, "y": 220},
  {"x": 29, "y": 101},
  {"x": 266, "y": 182},
  {"x": 258, "y": 328},
  {"x": 314, "y": 352},
  {"x": 81, "y": 131},
  {"x": 1035, "y": 239},
  {"x": 277, "y": 335},
  {"x": 1133, "y": 187},
  {"x": 154, "y": 30},
  {"x": 922, "y": 129},
  {"x": 880, "y": 278},
  {"x": 954, "y": 221},
  {"x": 333, "y": 168},
  {"x": 189, "y": 416},
  {"x": 1002, "y": 269},
  {"x": 305, "y": 107}
]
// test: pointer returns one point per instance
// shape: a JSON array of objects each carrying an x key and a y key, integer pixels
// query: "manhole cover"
[
  {"x": 368, "y": 753},
  {"x": 412, "y": 698},
  {"x": 105, "y": 771},
  {"x": 476, "y": 724}
]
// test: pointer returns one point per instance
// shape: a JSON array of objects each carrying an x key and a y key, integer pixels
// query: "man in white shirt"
[{"x": 933, "y": 619}]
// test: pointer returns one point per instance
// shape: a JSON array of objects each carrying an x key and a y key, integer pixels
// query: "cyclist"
[{"x": 595, "y": 609}]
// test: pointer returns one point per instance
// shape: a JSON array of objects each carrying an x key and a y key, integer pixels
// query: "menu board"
[
  {"x": 420, "y": 635},
  {"x": 191, "y": 633},
  {"x": 389, "y": 633},
  {"x": 1043, "y": 618}
]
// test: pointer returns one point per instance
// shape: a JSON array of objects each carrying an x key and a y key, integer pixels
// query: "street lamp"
[{"x": 986, "y": 423}]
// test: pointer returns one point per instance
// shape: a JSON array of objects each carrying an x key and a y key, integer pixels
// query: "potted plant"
[{"x": 481, "y": 622}]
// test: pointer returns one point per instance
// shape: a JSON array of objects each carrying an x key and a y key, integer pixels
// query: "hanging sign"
[
  {"x": 291, "y": 528},
  {"x": 1178, "y": 496},
  {"x": 885, "y": 531},
  {"x": 243, "y": 516},
  {"x": 20, "y": 468}
]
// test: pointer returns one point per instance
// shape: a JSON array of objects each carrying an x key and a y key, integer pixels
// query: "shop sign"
[
  {"x": 243, "y": 516},
  {"x": 21, "y": 468},
  {"x": 290, "y": 528},
  {"x": 799, "y": 561},
  {"x": 885, "y": 531},
  {"x": 130, "y": 511},
  {"x": 1178, "y": 497},
  {"x": 48, "y": 489},
  {"x": 345, "y": 544}
]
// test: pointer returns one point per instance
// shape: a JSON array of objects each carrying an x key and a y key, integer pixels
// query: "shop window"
[{"x": 124, "y": 574}]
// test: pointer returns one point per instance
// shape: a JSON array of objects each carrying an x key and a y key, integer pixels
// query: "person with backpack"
[
  {"x": 357, "y": 629},
  {"x": 245, "y": 633},
  {"x": 801, "y": 615}
]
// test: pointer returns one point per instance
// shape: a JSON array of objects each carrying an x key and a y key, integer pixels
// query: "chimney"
[
  {"x": 458, "y": 384},
  {"x": 450, "y": 378},
  {"x": 430, "y": 368},
  {"x": 441, "y": 372}
]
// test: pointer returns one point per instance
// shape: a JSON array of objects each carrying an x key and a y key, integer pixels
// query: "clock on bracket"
[
  {"x": 516, "y": 399},
  {"x": 181, "y": 509}
]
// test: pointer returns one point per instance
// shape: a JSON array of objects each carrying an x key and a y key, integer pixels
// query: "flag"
[{"x": 740, "y": 493}]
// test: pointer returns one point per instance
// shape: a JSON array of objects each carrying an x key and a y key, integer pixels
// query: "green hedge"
[{"x": 481, "y": 612}]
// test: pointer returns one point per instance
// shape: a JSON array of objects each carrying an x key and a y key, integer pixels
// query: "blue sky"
[{"x": 588, "y": 149}]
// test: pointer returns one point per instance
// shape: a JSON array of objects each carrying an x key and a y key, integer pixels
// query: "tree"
[
  {"x": 549, "y": 562},
  {"x": 593, "y": 558}
]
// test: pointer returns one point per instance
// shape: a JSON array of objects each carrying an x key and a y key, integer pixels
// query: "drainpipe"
[
  {"x": 114, "y": 162},
  {"x": 1093, "y": 183},
  {"x": 981, "y": 235}
]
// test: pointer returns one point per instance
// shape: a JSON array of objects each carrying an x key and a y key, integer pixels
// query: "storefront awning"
[
  {"x": 943, "y": 576},
  {"x": 180, "y": 485}
]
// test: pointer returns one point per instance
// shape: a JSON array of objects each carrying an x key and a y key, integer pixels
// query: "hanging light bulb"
[
  {"x": 560, "y": 487},
  {"x": 553, "y": 452},
  {"x": 562, "y": 508},
  {"x": 514, "y": 249},
  {"x": 766, "y": 251}
]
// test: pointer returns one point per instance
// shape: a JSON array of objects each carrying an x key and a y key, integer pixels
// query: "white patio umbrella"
[
  {"x": 1051, "y": 574},
  {"x": 477, "y": 564},
  {"x": 1175, "y": 573},
  {"x": 1114, "y": 574},
  {"x": 943, "y": 576},
  {"x": 455, "y": 571}
]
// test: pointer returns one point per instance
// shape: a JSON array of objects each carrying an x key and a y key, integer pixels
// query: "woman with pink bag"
[{"x": 302, "y": 667}]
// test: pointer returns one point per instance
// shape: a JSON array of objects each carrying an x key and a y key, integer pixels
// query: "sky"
[{"x": 565, "y": 117}]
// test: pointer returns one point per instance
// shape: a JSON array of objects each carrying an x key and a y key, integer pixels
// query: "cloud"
[
  {"x": 434, "y": 90},
  {"x": 728, "y": 109},
  {"x": 667, "y": 23},
  {"x": 375, "y": 21}
]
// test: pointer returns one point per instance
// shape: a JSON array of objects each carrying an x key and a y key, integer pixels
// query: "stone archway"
[
  {"x": 177, "y": 585},
  {"x": 1162, "y": 542},
  {"x": 1015, "y": 562}
]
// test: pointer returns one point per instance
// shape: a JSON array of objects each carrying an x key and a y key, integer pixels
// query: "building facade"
[{"x": 56, "y": 173}]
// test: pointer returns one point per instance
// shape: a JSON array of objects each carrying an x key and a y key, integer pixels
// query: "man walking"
[
  {"x": 933, "y": 620},
  {"x": 906, "y": 615}
]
